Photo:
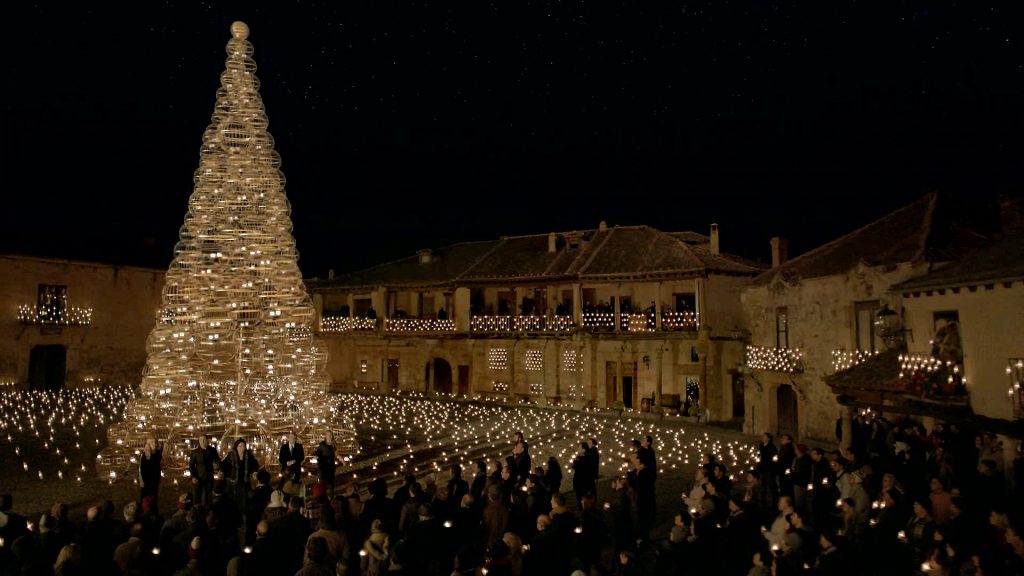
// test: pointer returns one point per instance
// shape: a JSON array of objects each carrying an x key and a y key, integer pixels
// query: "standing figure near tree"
[
  {"x": 149, "y": 469},
  {"x": 326, "y": 462},
  {"x": 238, "y": 468},
  {"x": 201, "y": 462},
  {"x": 290, "y": 457}
]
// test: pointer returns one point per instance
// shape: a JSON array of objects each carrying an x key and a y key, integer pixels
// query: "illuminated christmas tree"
[{"x": 233, "y": 353}]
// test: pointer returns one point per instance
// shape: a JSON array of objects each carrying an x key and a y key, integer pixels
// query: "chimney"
[
  {"x": 425, "y": 255},
  {"x": 552, "y": 243},
  {"x": 330, "y": 273},
  {"x": 780, "y": 251},
  {"x": 603, "y": 226},
  {"x": 714, "y": 239}
]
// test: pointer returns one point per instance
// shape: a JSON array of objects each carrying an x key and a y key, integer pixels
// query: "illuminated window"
[
  {"x": 497, "y": 358},
  {"x": 534, "y": 361}
]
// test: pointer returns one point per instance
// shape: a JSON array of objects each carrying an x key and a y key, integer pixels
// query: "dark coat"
[{"x": 293, "y": 472}]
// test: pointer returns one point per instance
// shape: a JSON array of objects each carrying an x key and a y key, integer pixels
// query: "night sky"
[{"x": 414, "y": 125}]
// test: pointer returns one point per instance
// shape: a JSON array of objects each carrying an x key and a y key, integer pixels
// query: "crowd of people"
[{"x": 897, "y": 500}]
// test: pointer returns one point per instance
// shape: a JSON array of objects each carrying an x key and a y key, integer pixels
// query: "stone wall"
[
  {"x": 821, "y": 313},
  {"x": 111, "y": 350}
]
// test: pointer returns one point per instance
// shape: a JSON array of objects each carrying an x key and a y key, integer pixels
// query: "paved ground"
[{"x": 398, "y": 434}]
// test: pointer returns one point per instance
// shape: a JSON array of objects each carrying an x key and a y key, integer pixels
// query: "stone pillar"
[
  {"x": 846, "y": 427},
  {"x": 617, "y": 314},
  {"x": 659, "y": 363},
  {"x": 657, "y": 313}
]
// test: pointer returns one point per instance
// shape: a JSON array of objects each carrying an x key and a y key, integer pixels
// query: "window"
[
  {"x": 685, "y": 301},
  {"x": 362, "y": 306},
  {"x": 497, "y": 358},
  {"x": 535, "y": 360},
  {"x": 864, "y": 323},
  {"x": 946, "y": 344},
  {"x": 781, "y": 327},
  {"x": 52, "y": 303},
  {"x": 572, "y": 360}
]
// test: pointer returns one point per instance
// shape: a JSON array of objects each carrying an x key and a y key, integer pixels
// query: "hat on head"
[
  {"x": 194, "y": 546},
  {"x": 276, "y": 499}
]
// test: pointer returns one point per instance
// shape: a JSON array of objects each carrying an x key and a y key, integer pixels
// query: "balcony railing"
[
  {"x": 788, "y": 360},
  {"x": 343, "y": 324},
  {"x": 418, "y": 325},
  {"x": 499, "y": 324},
  {"x": 54, "y": 315},
  {"x": 531, "y": 324},
  {"x": 845, "y": 359}
]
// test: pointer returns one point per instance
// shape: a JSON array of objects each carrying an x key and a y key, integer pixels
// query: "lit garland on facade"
[
  {"x": 1015, "y": 370},
  {"x": 233, "y": 354},
  {"x": 846, "y": 359},
  {"x": 534, "y": 360},
  {"x": 499, "y": 387},
  {"x": 598, "y": 320},
  {"x": 685, "y": 320},
  {"x": 774, "y": 359},
  {"x": 636, "y": 322},
  {"x": 521, "y": 324},
  {"x": 497, "y": 358},
  {"x": 910, "y": 363},
  {"x": 572, "y": 360},
  {"x": 52, "y": 315},
  {"x": 536, "y": 389},
  {"x": 418, "y": 325},
  {"x": 340, "y": 324}
]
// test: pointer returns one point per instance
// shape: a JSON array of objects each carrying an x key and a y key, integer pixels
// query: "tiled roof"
[
  {"x": 618, "y": 252},
  {"x": 445, "y": 264},
  {"x": 931, "y": 228},
  {"x": 1003, "y": 261}
]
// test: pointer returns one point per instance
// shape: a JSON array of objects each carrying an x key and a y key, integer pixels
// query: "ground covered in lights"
[{"x": 51, "y": 440}]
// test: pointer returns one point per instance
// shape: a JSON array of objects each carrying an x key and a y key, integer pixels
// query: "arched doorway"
[
  {"x": 442, "y": 381},
  {"x": 47, "y": 367},
  {"x": 785, "y": 398}
]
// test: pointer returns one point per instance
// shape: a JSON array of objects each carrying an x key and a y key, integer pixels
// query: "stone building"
[
  {"x": 960, "y": 357},
  {"x": 821, "y": 312},
  {"x": 626, "y": 316},
  {"x": 73, "y": 323}
]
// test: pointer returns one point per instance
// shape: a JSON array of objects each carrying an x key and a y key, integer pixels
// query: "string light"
[
  {"x": 846, "y": 359},
  {"x": 774, "y": 359},
  {"x": 55, "y": 314},
  {"x": 497, "y": 359},
  {"x": 341, "y": 324}
]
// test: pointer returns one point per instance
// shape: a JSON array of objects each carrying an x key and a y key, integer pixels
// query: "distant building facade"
[
  {"x": 70, "y": 323},
  {"x": 621, "y": 317},
  {"x": 824, "y": 323}
]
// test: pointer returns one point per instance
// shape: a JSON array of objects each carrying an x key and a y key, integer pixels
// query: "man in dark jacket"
[
  {"x": 326, "y": 462},
  {"x": 290, "y": 457},
  {"x": 201, "y": 463}
]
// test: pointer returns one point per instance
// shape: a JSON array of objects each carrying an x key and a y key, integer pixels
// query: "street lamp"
[{"x": 889, "y": 326}]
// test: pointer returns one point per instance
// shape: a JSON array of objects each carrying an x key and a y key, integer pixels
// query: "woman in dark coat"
[
  {"x": 552, "y": 475},
  {"x": 238, "y": 467},
  {"x": 149, "y": 469}
]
